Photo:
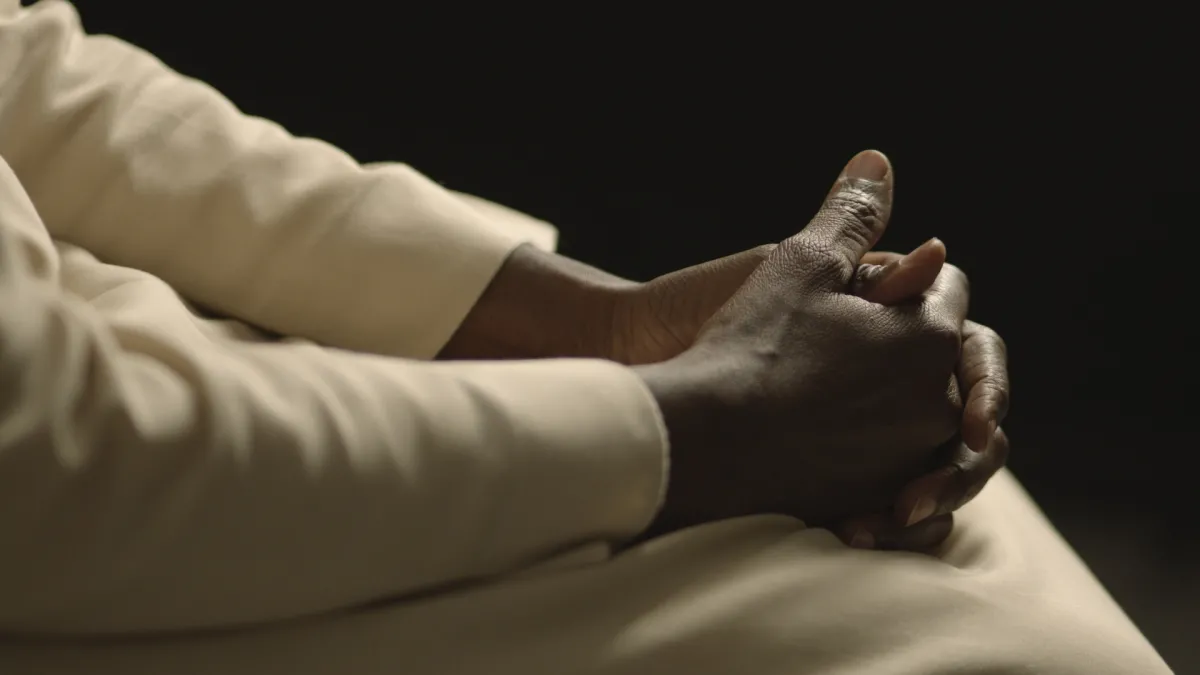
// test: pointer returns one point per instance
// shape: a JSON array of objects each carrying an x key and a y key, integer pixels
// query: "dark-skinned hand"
[
  {"x": 799, "y": 397},
  {"x": 922, "y": 516},
  {"x": 661, "y": 318}
]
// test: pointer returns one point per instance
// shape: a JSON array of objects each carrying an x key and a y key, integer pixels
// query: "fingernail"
[
  {"x": 862, "y": 539},
  {"x": 922, "y": 510},
  {"x": 869, "y": 164}
]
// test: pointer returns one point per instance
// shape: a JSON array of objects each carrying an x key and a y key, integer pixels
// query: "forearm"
[
  {"x": 157, "y": 483},
  {"x": 540, "y": 305}
]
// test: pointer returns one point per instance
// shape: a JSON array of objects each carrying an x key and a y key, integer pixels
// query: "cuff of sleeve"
[
  {"x": 411, "y": 286},
  {"x": 541, "y": 234},
  {"x": 590, "y": 451}
]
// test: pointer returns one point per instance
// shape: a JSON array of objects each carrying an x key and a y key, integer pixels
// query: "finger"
[
  {"x": 949, "y": 297},
  {"x": 922, "y": 536},
  {"x": 863, "y": 531},
  {"x": 883, "y": 533},
  {"x": 903, "y": 278},
  {"x": 948, "y": 488},
  {"x": 879, "y": 257},
  {"x": 853, "y": 217},
  {"x": 983, "y": 373}
]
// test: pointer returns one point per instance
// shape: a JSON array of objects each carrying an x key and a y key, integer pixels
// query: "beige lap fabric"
[
  {"x": 181, "y": 492},
  {"x": 758, "y": 595}
]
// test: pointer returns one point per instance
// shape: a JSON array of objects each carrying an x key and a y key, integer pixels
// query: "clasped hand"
[
  {"x": 813, "y": 377},
  {"x": 817, "y": 379}
]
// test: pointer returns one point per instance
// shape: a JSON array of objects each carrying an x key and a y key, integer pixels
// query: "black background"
[{"x": 1053, "y": 155}]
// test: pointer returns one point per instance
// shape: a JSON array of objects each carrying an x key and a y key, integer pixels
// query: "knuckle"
[
  {"x": 991, "y": 386},
  {"x": 972, "y": 489},
  {"x": 958, "y": 485},
  {"x": 953, "y": 276},
  {"x": 825, "y": 260},
  {"x": 997, "y": 391},
  {"x": 956, "y": 273},
  {"x": 860, "y": 215},
  {"x": 1000, "y": 351},
  {"x": 943, "y": 338},
  {"x": 1002, "y": 402},
  {"x": 1001, "y": 345},
  {"x": 992, "y": 338},
  {"x": 972, "y": 492},
  {"x": 972, "y": 474},
  {"x": 985, "y": 332}
]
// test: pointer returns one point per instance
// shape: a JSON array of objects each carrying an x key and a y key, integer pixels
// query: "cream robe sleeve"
[
  {"x": 145, "y": 485},
  {"x": 152, "y": 170}
]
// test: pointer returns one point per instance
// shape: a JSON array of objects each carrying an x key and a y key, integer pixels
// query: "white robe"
[{"x": 185, "y": 494}]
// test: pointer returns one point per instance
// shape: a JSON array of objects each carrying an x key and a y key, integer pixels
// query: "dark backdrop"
[{"x": 1053, "y": 157}]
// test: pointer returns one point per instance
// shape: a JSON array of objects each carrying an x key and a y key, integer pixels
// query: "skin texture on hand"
[
  {"x": 799, "y": 397},
  {"x": 658, "y": 320},
  {"x": 660, "y": 326},
  {"x": 922, "y": 515}
]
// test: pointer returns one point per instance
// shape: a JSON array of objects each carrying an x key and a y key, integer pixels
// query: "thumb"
[
  {"x": 902, "y": 279},
  {"x": 848, "y": 224}
]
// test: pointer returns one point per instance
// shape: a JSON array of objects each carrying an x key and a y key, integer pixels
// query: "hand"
[
  {"x": 779, "y": 405},
  {"x": 891, "y": 278},
  {"x": 658, "y": 320},
  {"x": 922, "y": 516}
]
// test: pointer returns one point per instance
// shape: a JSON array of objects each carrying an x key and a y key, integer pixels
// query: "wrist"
[
  {"x": 541, "y": 305},
  {"x": 700, "y": 413}
]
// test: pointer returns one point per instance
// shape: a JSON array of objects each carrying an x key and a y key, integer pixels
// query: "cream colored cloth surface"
[
  {"x": 760, "y": 595},
  {"x": 185, "y": 494}
]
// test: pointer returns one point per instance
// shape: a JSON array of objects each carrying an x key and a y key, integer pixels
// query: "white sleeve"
[
  {"x": 153, "y": 170},
  {"x": 146, "y": 485}
]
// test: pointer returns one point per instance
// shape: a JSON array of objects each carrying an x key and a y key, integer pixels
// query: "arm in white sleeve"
[
  {"x": 149, "y": 169},
  {"x": 146, "y": 485}
]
